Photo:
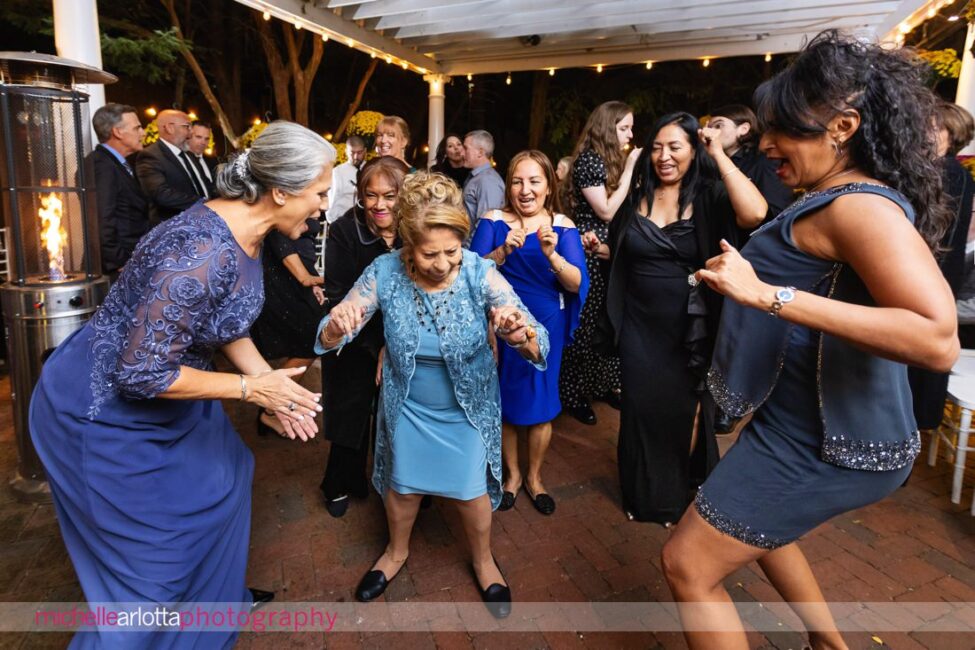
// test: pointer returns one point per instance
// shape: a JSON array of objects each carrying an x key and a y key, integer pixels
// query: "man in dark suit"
[
  {"x": 196, "y": 146},
  {"x": 123, "y": 211},
  {"x": 164, "y": 169}
]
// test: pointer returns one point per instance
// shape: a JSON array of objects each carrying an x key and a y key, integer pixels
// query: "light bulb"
[
  {"x": 768, "y": 57},
  {"x": 599, "y": 67},
  {"x": 389, "y": 59},
  {"x": 706, "y": 62},
  {"x": 551, "y": 72},
  {"x": 372, "y": 55},
  {"x": 649, "y": 65},
  {"x": 405, "y": 65},
  {"x": 508, "y": 80},
  {"x": 470, "y": 77},
  {"x": 297, "y": 26},
  {"x": 324, "y": 38},
  {"x": 266, "y": 15}
]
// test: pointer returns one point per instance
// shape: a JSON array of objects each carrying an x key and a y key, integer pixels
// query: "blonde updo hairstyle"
[{"x": 429, "y": 200}]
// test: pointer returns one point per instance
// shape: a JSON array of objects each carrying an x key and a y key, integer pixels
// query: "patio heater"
[{"x": 47, "y": 202}]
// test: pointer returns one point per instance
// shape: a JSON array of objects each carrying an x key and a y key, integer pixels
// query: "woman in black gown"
[
  {"x": 349, "y": 380},
  {"x": 679, "y": 208},
  {"x": 294, "y": 303}
]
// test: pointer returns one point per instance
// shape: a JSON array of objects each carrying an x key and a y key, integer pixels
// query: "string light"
[
  {"x": 192, "y": 116},
  {"x": 297, "y": 26},
  {"x": 706, "y": 62},
  {"x": 257, "y": 121},
  {"x": 952, "y": 18},
  {"x": 599, "y": 67},
  {"x": 649, "y": 65},
  {"x": 551, "y": 72},
  {"x": 508, "y": 80},
  {"x": 266, "y": 15},
  {"x": 932, "y": 12},
  {"x": 768, "y": 57},
  {"x": 151, "y": 111},
  {"x": 324, "y": 38},
  {"x": 470, "y": 77},
  {"x": 904, "y": 28},
  {"x": 372, "y": 55},
  {"x": 389, "y": 59},
  {"x": 349, "y": 42},
  {"x": 405, "y": 65},
  {"x": 329, "y": 136}
]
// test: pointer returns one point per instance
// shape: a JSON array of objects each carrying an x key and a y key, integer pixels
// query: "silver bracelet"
[
  {"x": 561, "y": 267},
  {"x": 243, "y": 388},
  {"x": 729, "y": 173}
]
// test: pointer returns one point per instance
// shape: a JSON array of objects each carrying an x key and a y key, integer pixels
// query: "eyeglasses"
[{"x": 184, "y": 126}]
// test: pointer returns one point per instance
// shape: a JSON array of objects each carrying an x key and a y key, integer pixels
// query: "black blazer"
[
  {"x": 123, "y": 211},
  {"x": 165, "y": 182}
]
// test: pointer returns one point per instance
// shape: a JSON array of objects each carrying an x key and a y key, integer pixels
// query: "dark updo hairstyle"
[
  {"x": 740, "y": 114},
  {"x": 699, "y": 175},
  {"x": 893, "y": 144}
]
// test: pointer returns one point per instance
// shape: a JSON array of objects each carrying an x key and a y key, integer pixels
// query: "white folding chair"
[{"x": 956, "y": 427}]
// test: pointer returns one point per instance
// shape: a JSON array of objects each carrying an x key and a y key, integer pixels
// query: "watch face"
[{"x": 785, "y": 295}]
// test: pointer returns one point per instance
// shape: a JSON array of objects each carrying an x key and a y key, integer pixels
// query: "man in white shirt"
[{"x": 343, "y": 193}]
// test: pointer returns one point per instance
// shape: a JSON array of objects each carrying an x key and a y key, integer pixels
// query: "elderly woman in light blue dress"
[{"x": 439, "y": 426}]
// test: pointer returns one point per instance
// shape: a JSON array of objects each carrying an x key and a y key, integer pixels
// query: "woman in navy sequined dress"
[
  {"x": 829, "y": 302},
  {"x": 150, "y": 481}
]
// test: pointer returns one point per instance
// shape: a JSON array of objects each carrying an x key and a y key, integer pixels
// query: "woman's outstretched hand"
[
  {"x": 732, "y": 275},
  {"x": 294, "y": 405}
]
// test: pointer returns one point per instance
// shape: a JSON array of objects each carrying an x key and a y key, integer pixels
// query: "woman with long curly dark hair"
[
  {"x": 828, "y": 304},
  {"x": 599, "y": 180}
]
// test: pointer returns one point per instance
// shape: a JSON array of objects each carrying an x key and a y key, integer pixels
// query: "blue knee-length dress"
[
  {"x": 153, "y": 496},
  {"x": 528, "y": 395}
]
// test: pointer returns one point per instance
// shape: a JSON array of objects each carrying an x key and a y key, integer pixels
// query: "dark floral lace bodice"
[{"x": 188, "y": 289}]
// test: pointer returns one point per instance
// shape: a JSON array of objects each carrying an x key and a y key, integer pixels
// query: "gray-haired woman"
[{"x": 150, "y": 481}]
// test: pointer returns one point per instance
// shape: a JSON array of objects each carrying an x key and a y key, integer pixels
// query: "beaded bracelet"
[
  {"x": 561, "y": 267},
  {"x": 729, "y": 173}
]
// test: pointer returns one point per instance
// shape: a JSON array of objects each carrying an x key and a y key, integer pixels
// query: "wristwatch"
[{"x": 782, "y": 296}]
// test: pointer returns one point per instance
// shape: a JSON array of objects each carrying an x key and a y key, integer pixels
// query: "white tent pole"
[
  {"x": 436, "y": 123},
  {"x": 76, "y": 36}
]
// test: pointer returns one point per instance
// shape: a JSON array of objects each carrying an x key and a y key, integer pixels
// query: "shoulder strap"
[{"x": 801, "y": 207}]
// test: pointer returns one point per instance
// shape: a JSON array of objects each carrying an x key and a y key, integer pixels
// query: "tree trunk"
[
  {"x": 201, "y": 78},
  {"x": 536, "y": 123},
  {"x": 179, "y": 88},
  {"x": 280, "y": 73},
  {"x": 354, "y": 106},
  {"x": 302, "y": 77}
]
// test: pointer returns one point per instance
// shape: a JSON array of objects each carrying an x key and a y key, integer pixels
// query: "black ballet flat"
[
  {"x": 259, "y": 597},
  {"x": 542, "y": 502},
  {"x": 507, "y": 501},
  {"x": 338, "y": 506},
  {"x": 584, "y": 414},
  {"x": 497, "y": 597},
  {"x": 373, "y": 584}
]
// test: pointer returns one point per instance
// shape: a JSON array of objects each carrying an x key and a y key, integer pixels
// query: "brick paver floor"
[{"x": 915, "y": 546}]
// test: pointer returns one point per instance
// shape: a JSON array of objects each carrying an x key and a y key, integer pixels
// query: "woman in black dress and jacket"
[
  {"x": 350, "y": 381},
  {"x": 686, "y": 196}
]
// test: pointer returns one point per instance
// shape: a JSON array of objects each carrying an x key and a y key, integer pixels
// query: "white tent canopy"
[{"x": 440, "y": 38}]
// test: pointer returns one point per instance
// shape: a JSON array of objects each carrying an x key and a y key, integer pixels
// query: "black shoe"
[
  {"x": 497, "y": 596},
  {"x": 583, "y": 413},
  {"x": 337, "y": 506},
  {"x": 259, "y": 597},
  {"x": 373, "y": 585},
  {"x": 508, "y": 500},
  {"x": 542, "y": 502},
  {"x": 426, "y": 502}
]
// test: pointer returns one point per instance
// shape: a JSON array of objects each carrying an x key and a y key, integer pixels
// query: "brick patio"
[{"x": 915, "y": 546}]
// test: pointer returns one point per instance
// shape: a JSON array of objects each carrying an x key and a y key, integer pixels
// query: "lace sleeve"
[
  {"x": 364, "y": 293},
  {"x": 182, "y": 293},
  {"x": 499, "y": 293}
]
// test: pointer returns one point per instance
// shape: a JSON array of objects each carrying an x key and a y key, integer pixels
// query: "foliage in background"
[
  {"x": 150, "y": 58},
  {"x": 968, "y": 162},
  {"x": 363, "y": 124}
]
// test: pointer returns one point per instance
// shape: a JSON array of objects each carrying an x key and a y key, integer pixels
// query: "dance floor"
[{"x": 914, "y": 547}]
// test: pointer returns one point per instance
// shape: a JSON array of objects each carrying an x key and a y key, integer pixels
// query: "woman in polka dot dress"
[{"x": 599, "y": 181}]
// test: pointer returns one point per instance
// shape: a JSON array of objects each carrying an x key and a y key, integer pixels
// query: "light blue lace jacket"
[{"x": 386, "y": 287}]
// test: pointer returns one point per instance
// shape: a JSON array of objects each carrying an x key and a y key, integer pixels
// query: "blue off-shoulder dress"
[
  {"x": 528, "y": 395},
  {"x": 153, "y": 495}
]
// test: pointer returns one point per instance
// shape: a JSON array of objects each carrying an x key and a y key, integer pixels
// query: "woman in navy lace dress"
[
  {"x": 827, "y": 304},
  {"x": 150, "y": 481}
]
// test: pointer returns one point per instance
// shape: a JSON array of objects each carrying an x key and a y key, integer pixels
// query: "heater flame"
[{"x": 53, "y": 236}]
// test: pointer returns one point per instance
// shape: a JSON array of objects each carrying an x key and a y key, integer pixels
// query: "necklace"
[
  {"x": 439, "y": 305},
  {"x": 815, "y": 187}
]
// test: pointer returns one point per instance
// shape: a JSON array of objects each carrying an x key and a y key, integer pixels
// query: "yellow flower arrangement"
[
  {"x": 151, "y": 134},
  {"x": 364, "y": 123},
  {"x": 945, "y": 64},
  {"x": 248, "y": 138},
  {"x": 968, "y": 162},
  {"x": 340, "y": 156}
]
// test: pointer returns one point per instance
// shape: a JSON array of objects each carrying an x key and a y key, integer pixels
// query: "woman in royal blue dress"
[
  {"x": 151, "y": 484},
  {"x": 439, "y": 425},
  {"x": 540, "y": 253}
]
